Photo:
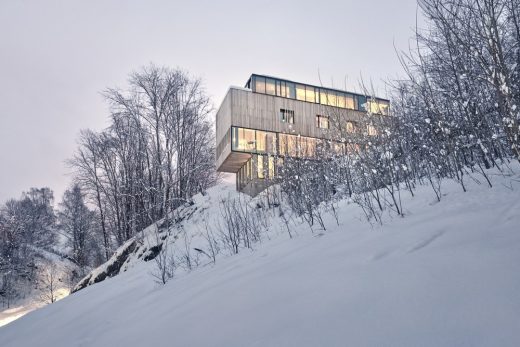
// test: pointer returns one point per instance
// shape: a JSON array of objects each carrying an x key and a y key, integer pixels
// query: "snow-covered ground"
[{"x": 445, "y": 275}]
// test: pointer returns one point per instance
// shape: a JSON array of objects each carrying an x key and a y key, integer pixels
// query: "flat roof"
[{"x": 315, "y": 86}]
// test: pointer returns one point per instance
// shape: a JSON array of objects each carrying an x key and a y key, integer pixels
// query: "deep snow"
[{"x": 445, "y": 275}]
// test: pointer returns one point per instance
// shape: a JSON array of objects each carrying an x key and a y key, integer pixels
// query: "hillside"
[{"x": 445, "y": 275}]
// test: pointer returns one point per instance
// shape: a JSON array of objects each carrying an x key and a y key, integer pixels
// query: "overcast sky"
[{"x": 56, "y": 57}]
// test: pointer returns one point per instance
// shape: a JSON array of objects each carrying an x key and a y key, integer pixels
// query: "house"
[{"x": 271, "y": 118}]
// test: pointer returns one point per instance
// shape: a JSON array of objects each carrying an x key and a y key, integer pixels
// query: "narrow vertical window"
[
  {"x": 271, "y": 166},
  {"x": 260, "y": 166},
  {"x": 341, "y": 100},
  {"x": 260, "y": 141},
  {"x": 290, "y": 90},
  {"x": 349, "y": 102}
]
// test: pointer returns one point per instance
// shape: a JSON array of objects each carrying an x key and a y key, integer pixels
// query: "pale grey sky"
[{"x": 56, "y": 56}]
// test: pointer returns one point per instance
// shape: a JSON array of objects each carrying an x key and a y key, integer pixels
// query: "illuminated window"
[
  {"x": 292, "y": 145},
  {"x": 300, "y": 92},
  {"x": 350, "y": 127},
  {"x": 309, "y": 94},
  {"x": 378, "y": 107},
  {"x": 341, "y": 100},
  {"x": 371, "y": 130},
  {"x": 270, "y": 87},
  {"x": 349, "y": 102},
  {"x": 260, "y": 84},
  {"x": 331, "y": 99},
  {"x": 322, "y": 122},
  {"x": 287, "y": 116},
  {"x": 271, "y": 167},
  {"x": 243, "y": 139},
  {"x": 288, "y": 144},
  {"x": 308, "y": 147},
  {"x": 323, "y": 97},
  {"x": 260, "y": 166},
  {"x": 261, "y": 140}
]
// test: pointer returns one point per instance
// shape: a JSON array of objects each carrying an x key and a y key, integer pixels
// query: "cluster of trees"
[
  {"x": 156, "y": 154},
  {"x": 31, "y": 229},
  {"x": 455, "y": 115}
]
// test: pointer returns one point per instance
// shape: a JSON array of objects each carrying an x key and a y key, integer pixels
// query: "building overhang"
[{"x": 233, "y": 162}]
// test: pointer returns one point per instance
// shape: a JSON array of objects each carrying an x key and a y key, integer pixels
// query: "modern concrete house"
[{"x": 271, "y": 118}]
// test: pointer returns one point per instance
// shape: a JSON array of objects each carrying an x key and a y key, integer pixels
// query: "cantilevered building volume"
[{"x": 271, "y": 119}]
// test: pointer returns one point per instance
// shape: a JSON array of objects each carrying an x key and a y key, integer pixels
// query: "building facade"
[{"x": 258, "y": 126}]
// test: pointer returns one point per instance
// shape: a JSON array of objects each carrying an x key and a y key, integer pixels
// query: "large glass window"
[
  {"x": 288, "y": 145},
  {"x": 307, "y": 147},
  {"x": 309, "y": 94},
  {"x": 260, "y": 84},
  {"x": 290, "y": 90},
  {"x": 341, "y": 100},
  {"x": 261, "y": 137},
  {"x": 323, "y": 97},
  {"x": 270, "y": 143},
  {"x": 243, "y": 139},
  {"x": 270, "y": 87},
  {"x": 300, "y": 92},
  {"x": 349, "y": 102}
]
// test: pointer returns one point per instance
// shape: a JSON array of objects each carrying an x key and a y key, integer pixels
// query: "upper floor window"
[
  {"x": 260, "y": 84},
  {"x": 270, "y": 86},
  {"x": 378, "y": 106},
  {"x": 300, "y": 92},
  {"x": 324, "y": 96},
  {"x": 287, "y": 116},
  {"x": 322, "y": 122}
]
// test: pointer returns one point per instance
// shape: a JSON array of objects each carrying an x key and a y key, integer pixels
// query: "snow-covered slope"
[
  {"x": 445, "y": 275},
  {"x": 36, "y": 294}
]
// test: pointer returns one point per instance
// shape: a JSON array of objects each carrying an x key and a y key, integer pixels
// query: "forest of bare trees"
[{"x": 156, "y": 153}]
